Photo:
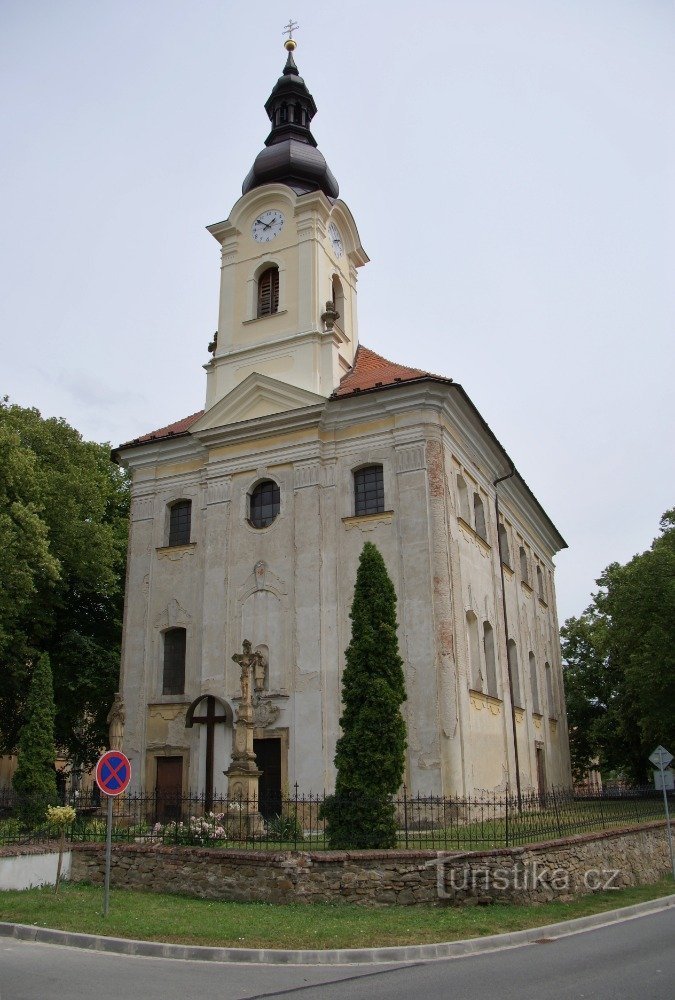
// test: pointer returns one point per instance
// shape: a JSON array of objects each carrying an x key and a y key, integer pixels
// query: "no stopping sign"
[{"x": 113, "y": 772}]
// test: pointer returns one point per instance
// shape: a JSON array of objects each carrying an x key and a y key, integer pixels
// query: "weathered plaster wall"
[{"x": 290, "y": 586}]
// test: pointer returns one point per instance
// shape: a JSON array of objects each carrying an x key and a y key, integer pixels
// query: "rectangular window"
[
  {"x": 173, "y": 681},
  {"x": 179, "y": 523},
  {"x": 369, "y": 490}
]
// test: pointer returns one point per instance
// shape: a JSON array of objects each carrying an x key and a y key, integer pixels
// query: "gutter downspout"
[{"x": 506, "y": 635}]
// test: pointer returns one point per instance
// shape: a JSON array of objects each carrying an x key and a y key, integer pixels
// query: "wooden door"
[
  {"x": 268, "y": 758},
  {"x": 169, "y": 788}
]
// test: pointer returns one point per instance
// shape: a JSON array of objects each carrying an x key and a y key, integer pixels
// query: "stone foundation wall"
[{"x": 559, "y": 869}]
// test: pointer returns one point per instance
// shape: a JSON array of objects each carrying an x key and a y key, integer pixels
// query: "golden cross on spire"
[{"x": 290, "y": 28}]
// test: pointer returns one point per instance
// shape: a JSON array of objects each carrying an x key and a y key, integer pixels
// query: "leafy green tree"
[
  {"x": 63, "y": 530},
  {"x": 34, "y": 780},
  {"x": 370, "y": 753},
  {"x": 619, "y": 663}
]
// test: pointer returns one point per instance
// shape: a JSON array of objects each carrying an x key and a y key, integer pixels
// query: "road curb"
[{"x": 340, "y": 956}]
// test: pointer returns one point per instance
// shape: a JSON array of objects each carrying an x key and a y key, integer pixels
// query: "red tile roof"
[
  {"x": 171, "y": 430},
  {"x": 372, "y": 371}
]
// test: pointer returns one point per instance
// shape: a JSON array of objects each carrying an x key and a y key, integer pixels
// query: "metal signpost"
[
  {"x": 662, "y": 759},
  {"x": 113, "y": 773}
]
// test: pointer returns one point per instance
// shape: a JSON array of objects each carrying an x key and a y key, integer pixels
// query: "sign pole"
[
  {"x": 662, "y": 758},
  {"x": 113, "y": 773},
  {"x": 108, "y": 854},
  {"x": 665, "y": 806}
]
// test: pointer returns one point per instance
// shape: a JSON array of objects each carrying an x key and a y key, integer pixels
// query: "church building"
[{"x": 248, "y": 518}]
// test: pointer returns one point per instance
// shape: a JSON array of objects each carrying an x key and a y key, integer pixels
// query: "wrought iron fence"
[{"x": 295, "y": 822}]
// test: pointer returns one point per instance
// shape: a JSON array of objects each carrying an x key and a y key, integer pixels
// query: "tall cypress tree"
[
  {"x": 370, "y": 753},
  {"x": 35, "y": 776}
]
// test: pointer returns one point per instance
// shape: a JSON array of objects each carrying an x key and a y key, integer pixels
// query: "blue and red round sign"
[{"x": 113, "y": 772}]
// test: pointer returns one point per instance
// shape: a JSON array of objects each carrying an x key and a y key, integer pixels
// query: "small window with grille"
[
  {"x": 179, "y": 522},
  {"x": 268, "y": 292},
  {"x": 264, "y": 504},
  {"x": 369, "y": 490},
  {"x": 173, "y": 680}
]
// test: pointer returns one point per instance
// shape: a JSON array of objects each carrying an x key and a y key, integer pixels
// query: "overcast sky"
[{"x": 509, "y": 165}]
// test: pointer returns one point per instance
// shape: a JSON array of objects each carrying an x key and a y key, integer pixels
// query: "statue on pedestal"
[{"x": 243, "y": 774}]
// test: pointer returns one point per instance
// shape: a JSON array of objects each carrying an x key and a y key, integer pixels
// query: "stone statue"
[
  {"x": 249, "y": 663},
  {"x": 243, "y": 773},
  {"x": 259, "y": 672},
  {"x": 115, "y": 722}
]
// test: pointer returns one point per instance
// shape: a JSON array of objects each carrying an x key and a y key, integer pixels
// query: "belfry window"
[
  {"x": 173, "y": 680},
  {"x": 369, "y": 490},
  {"x": 179, "y": 522},
  {"x": 338, "y": 297},
  {"x": 268, "y": 292},
  {"x": 264, "y": 504}
]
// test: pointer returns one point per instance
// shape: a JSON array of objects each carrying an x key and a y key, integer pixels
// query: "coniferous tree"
[
  {"x": 370, "y": 753},
  {"x": 35, "y": 776}
]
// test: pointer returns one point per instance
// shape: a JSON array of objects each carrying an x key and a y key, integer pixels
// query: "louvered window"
[
  {"x": 369, "y": 490},
  {"x": 179, "y": 523},
  {"x": 268, "y": 292},
  {"x": 173, "y": 681}
]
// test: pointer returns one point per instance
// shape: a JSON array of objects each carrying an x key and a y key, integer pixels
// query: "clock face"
[
  {"x": 335, "y": 240},
  {"x": 267, "y": 226}
]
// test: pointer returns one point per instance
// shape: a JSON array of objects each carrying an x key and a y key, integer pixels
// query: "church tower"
[{"x": 290, "y": 252}]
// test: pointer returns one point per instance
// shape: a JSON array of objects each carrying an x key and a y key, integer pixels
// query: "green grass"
[{"x": 157, "y": 917}]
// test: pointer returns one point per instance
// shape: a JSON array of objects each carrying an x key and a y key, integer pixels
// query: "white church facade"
[{"x": 249, "y": 516}]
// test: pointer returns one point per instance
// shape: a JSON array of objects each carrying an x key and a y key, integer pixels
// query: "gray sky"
[{"x": 509, "y": 165}]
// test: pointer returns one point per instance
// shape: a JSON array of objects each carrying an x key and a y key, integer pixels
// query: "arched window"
[
  {"x": 540, "y": 583},
  {"x": 463, "y": 500},
  {"x": 534, "y": 685},
  {"x": 504, "y": 552},
  {"x": 173, "y": 680},
  {"x": 476, "y": 674},
  {"x": 490, "y": 665},
  {"x": 283, "y": 114},
  {"x": 512, "y": 652},
  {"x": 524, "y": 574},
  {"x": 268, "y": 292},
  {"x": 479, "y": 517},
  {"x": 338, "y": 296},
  {"x": 552, "y": 707},
  {"x": 180, "y": 516},
  {"x": 369, "y": 490},
  {"x": 264, "y": 504}
]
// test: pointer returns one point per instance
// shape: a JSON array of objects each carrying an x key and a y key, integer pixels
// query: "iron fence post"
[
  {"x": 405, "y": 814},
  {"x": 557, "y": 812}
]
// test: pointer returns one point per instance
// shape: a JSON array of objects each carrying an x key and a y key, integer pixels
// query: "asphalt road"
[{"x": 632, "y": 960}]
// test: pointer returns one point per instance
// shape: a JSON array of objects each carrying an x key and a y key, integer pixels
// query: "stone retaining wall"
[{"x": 535, "y": 873}]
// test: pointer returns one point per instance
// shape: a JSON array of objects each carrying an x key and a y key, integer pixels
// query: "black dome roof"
[{"x": 291, "y": 156}]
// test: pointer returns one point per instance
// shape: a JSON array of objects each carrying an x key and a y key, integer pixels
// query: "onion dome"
[{"x": 291, "y": 156}]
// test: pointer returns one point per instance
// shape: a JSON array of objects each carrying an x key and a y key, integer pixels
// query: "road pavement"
[{"x": 630, "y": 960}]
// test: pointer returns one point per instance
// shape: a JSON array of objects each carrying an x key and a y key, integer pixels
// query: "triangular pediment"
[{"x": 257, "y": 396}]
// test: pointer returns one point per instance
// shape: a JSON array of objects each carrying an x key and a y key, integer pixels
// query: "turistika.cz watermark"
[{"x": 522, "y": 878}]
